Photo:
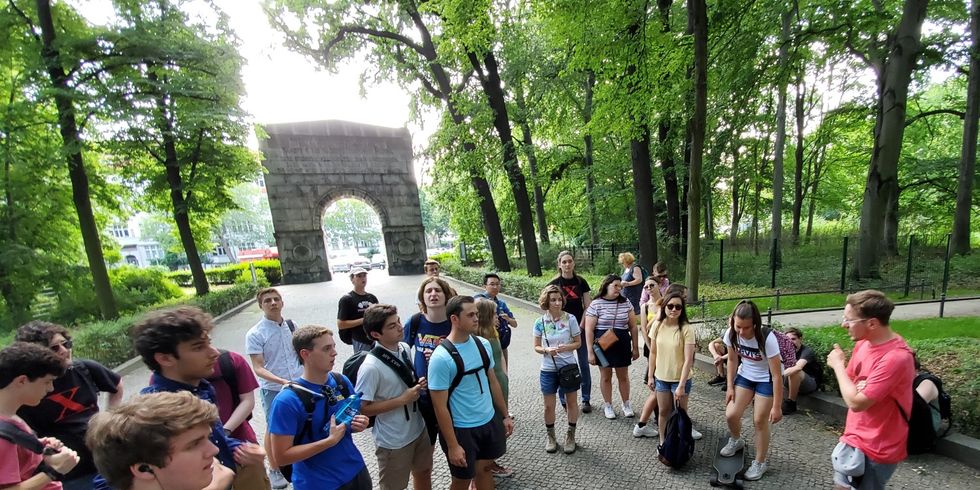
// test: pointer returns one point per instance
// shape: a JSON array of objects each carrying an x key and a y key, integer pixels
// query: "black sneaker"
[
  {"x": 789, "y": 407},
  {"x": 724, "y": 387},
  {"x": 717, "y": 380},
  {"x": 586, "y": 407}
]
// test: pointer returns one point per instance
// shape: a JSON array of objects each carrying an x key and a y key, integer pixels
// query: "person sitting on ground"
[
  {"x": 752, "y": 378},
  {"x": 486, "y": 312},
  {"x": 27, "y": 374},
  {"x": 403, "y": 446},
  {"x": 672, "y": 343},
  {"x": 325, "y": 457},
  {"x": 804, "y": 377},
  {"x": 719, "y": 354},
  {"x": 158, "y": 441},
  {"x": 473, "y": 434},
  {"x": 929, "y": 393},
  {"x": 556, "y": 337},
  {"x": 65, "y": 412},
  {"x": 176, "y": 345}
]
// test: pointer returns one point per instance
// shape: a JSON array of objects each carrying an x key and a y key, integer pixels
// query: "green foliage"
[
  {"x": 948, "y": 347},
  {"x": 246, "y": 278},
  {"x": 109, "y": 342},
  {"x": 136, "y": 287},
  {"x": 230, "y": 274},
  {"x": 350, "y": 223}
]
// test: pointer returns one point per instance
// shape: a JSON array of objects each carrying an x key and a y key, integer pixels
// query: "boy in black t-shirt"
[
  {"x": 803, "y": 378},
  {"x": 65, "y": 412},
  {"x": 350, "y": 312}
]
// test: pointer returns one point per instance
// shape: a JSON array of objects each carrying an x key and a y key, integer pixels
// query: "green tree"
[{"x": 351, "y": 221}]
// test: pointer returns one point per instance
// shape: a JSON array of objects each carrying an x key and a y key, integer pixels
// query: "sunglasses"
[
  {"x": 67, "y": 344},
  {"x": 672, "y": 306}
]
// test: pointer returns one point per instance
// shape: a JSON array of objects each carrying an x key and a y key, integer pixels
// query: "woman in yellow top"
[{"x": 671, "y": 341}]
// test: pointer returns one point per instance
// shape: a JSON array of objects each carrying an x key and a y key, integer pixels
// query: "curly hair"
[
  {"x": 32, "y": 360},
  {"x": 162, "y": 330},
  {"x": 140, "y": 431},
  {"x": 40, "y": 332}
]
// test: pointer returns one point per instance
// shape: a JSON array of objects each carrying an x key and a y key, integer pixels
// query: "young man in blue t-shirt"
[
  {"x": 505, "y": 318},
  {"x": 472, "y": 435},
  {"x": 325, "y": 458}
]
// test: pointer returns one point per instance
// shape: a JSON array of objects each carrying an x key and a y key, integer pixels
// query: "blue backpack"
[{"x": 678, "y": 443}]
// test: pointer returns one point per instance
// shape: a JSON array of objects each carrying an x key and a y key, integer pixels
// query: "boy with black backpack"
[
  {"x": 390, "y": 392},
  {"x": 467, "y": 397}
]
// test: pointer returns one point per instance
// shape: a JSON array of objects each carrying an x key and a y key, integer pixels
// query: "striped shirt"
[{"x": 610, "y": 313}]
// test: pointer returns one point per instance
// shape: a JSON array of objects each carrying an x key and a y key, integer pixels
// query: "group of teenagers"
[{"x": 439, "y": 374}]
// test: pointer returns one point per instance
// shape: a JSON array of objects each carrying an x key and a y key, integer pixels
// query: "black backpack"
[
  {"x": 922, "y": 435},
  {"x": 402, "y": 367},
  {"x": 229, "y": 376},
  {"x": 309, "y": 400},
  {"x": 461, "y": 367},
  {"x": 678, "y": 444}
]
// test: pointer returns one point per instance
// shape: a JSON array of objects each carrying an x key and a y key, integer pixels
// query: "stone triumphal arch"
[{"x": 312, "y": 164}]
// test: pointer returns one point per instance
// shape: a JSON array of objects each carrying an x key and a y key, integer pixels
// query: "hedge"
[
  {"x": 109, "y": 342},
  {"x": 229, "y": 274}
]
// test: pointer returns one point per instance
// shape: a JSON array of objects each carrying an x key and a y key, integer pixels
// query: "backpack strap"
[
  {"x": 291, "y": 325},
  {"x": 460, "y": 367},
  {"x": 309, "y": 400},
  {"x": 228, "y": 375},
  {"x": 414, "y": 324},
  {"x": 18, "y": 437},
  {"x": 402, "y": 367},
  {"x": 82, "y": 369},
  {"x": 341, "y": 383}
]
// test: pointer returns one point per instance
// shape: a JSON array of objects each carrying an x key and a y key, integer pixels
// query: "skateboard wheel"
[
  {"x": 714, "y": 482},
  {"x": 739, "y": 484}
]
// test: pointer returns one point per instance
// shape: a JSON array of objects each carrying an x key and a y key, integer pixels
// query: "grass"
[{"x": 911, "y": 330}]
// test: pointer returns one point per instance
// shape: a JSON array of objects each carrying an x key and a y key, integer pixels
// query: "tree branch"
[
  {"x": 30, "y": 24},
  {"x": 344, "y": 31},
  {"x": 954, "y": 112}
]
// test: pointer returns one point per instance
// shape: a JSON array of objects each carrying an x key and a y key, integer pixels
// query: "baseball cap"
[{"x": 357, "y": 270}]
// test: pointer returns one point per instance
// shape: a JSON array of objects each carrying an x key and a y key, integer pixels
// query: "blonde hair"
[
  {"x": 140, "y": 432},
  {"x": 544, "y": 299},
  {"x": 626, "y": 258},
  {"x": 486, "y": 314}
]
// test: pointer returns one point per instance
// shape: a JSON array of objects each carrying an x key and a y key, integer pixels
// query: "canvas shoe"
[
  {"x": 756, "y": 471},
  {"x": 278, "y": 481},
  {"x": 732, "y": 447},
  {"x": 628, "y": 410},
  {"x": 647, "y": 430},
  {"x": 695, "y": 434},
  {"x": 607, "y": 409}
]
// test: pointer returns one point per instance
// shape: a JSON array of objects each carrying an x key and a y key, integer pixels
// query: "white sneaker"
[
  {"x": 628, "y": 410},
  {"x": 647, "y": 430},
  {"x": 278, "y": 481},
  {"x": 695, "y": 434},
  {"x": 732, "y": 447},
  {"x": 608, "y": 410},
  {"x": 756, "y": 471}
]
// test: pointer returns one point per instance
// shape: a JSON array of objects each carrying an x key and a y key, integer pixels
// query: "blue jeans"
[
  {"x": 671, "y": 386},
  {"x": 761, "y": 388},
  {"x": 267, "y": 397}
]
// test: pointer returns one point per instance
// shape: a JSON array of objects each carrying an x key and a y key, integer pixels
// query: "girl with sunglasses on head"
[
  {"x": 671, "y": 341},
  {"x": 611, "y": 312},
  {"x": 760, "y": 365},
  {"x": 661, "y": 283}
]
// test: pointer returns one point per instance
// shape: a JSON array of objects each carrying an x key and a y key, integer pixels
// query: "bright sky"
[{"x": 283, "y": 87}]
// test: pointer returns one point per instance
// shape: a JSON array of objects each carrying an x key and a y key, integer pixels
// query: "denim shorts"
[
  {"x": 549, "y": 384},
  {"x": 668, "y": 387},
  {"x": 761, "y": 388}
]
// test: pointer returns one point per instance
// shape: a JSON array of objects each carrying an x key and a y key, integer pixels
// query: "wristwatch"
[{"x": 52, "y": 473}]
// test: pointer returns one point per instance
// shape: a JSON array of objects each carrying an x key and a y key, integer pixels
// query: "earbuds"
[{"x": 145, "y": 468}]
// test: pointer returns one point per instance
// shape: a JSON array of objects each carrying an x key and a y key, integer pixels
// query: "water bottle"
[
  {"x": 348, "y": 409},
  {"x": 600, "y": 356}
]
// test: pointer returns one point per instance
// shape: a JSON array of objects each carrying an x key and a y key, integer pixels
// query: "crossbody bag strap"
[{"x": 544, "y": 335}]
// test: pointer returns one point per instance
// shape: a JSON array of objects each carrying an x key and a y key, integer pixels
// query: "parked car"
[
  {"x": 340, "y": 265},
  {"x": 361, "y": 262},
  {"x": 378, "y": 261}
]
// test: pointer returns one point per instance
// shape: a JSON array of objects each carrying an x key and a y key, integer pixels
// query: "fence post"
[
  {"x": 777, "y": 299},
  {"x": 769, "y": 317},
  {"x": 843, "y": 266},
  {"x": 949, "y": 244},
  {"x": 612, "y": 249},
  {"x": 772, "y": 261},
  {"x": 721, "y": 261},
  {"x": 908, "y": 267},
  {"x": 255, "y": 279}
]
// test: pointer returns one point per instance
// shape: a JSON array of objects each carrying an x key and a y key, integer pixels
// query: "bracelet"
[{"x": 51, "y": 473}]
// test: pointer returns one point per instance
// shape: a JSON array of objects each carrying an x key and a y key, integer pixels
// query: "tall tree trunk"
[
  {"x": 72, "y": 145},
  {"x": 666, "y": 155},
  {"x": 737, "y": 193},
  {"x": 589, "y": 152},
  {"x": 493, "y": 90},
  {"x": 776, "y": 231},
  {"x": 968, "y": 154},
  {"x": 709, "y": 215},
  {"x": 890, "y": 240},
  {"x": 532, "y": 162},
  {"x": 798, "y": 169},
  {"x": 646, "y": 218},
  {"x": 882, "y": 181},
  {"x": 697, "y": 10},
  {"x": 685, "y": 172}
]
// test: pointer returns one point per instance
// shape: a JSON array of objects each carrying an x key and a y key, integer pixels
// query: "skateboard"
[{"x": 728, "y": 470}]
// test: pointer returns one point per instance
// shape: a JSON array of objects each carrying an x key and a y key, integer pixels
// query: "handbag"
[
  {"x": 609, "y": 338},
  {"x": 569, "y": 376}
]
